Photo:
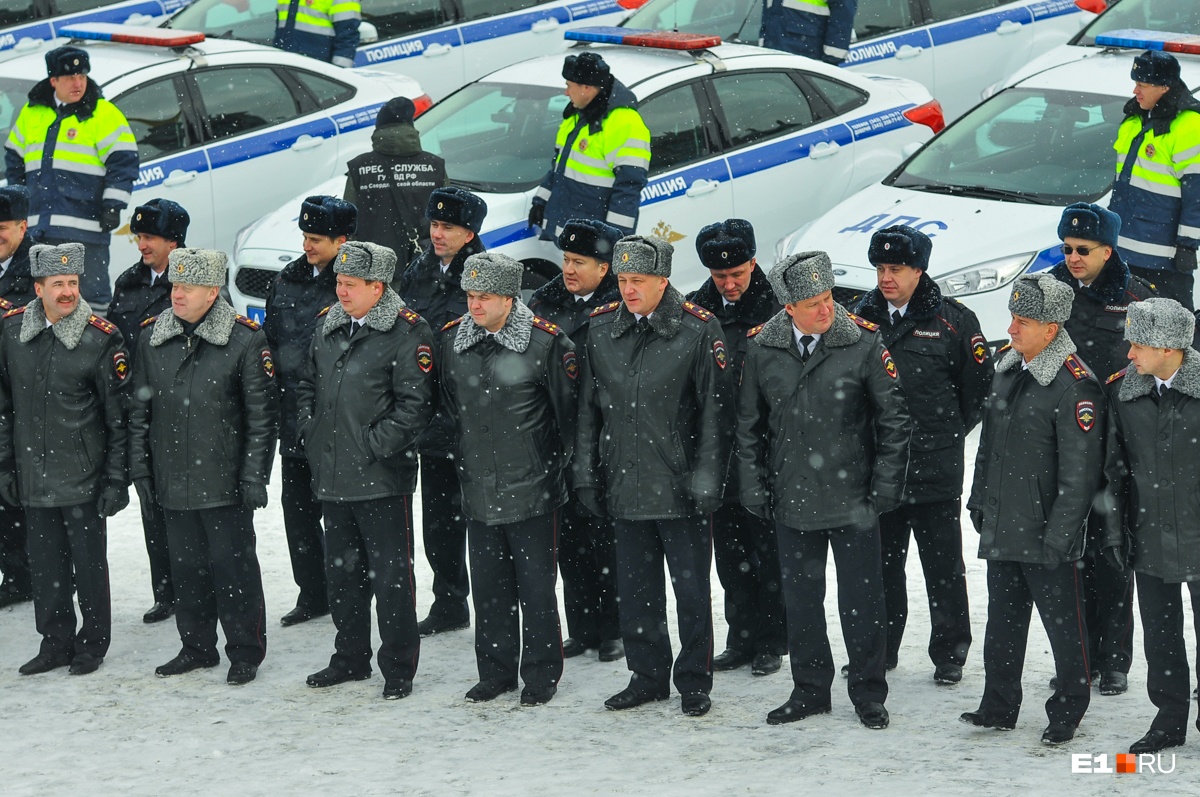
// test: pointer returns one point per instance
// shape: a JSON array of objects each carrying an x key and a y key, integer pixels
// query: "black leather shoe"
[
  {"x": 1054, "y": 681},
  {"x": 332, "y": 676},
  {"x": 766, "y": 664},
  {"x": 872, "y": 715},
  {"x": 1058, "y": 733},
  {"x": 947, "y": 673},
  {"x": 397, "y": 689},
  {"x": 85, "y": 665},
  {"x": 1154, "y": 741},
  {"x": 731, "y": 659},
  {"x": 612, "y": 650},
  {"x": 632, "y": 697},
  {"x": 981, "y": 719},
  {"x": 44, "y": 662},
  {"x": 695, "y": 704},
  {"x": 158, "y": 612},
  {"x": 794, "y": 710},
  {"x": 484, "y": 691},
  {"x": 1113, "y": 683},
  {"x": 573, "y": 647},
  {"x": 184, "y": 663},
  {"x": 301, "y": 615},
  {"x": 437, "y": 625},
  {"x": 241, "y": 673},
  {"x": 538, "y": 695}
]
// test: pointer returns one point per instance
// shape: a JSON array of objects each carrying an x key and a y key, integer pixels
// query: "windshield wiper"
[{"x": 976, "y": 191}]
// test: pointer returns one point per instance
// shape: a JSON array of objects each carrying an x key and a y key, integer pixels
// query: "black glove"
[
  {"x": 110, "y": 219},
  {"x": 977, "y": 520},
  {"x": 113, "y": 499},
  {"x": 835, "y": 60},
  {"x": 592, "y": 499},
  {"x": 254, "y": 495},
  {"x": 762, "y": 511},
  {"x": 1184, "y": 260},
  {"x": 537, "y": 214},
  {"x": 706, "y": 504},
  {"x": 1115, "y": 557},
  {"x": 145, "y": 492},
  {"x": 8, "y": 488}
]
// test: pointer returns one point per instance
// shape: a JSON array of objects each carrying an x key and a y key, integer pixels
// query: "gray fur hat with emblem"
[
  {"x": 365, "y": 260},
  {"x": 1160, "y": 323},
  {"x": 801, "y": 276},
  {"x": 197, "y": 267},
  {"x": 51, "y": 261},
  {"x": 641, "y": 254},
  {"x": 1041, "y": 298},
  {"x": 491, "y": 272}
]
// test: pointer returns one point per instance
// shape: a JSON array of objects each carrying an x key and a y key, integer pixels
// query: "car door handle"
[
  {"x": 434, "y": 50},
  {"x": 544, "y": 25},
  {"x": 702, "y": 187},
  {"x": 179, "y": 177},
  {"x": 908, "y": 51},
  {"x": 823, "y": 149},
  {"x": 1008, "y": 27},
  {"x": 307, "y": 142}
]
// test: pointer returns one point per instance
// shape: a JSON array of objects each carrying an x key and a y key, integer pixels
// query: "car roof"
[{"x": 1098, "y": 70}]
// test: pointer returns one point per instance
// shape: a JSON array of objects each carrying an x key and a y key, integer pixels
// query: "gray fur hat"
[
  {"x": 1042, "y": 298},
  {"x": 365, "y": 260},
  {"x": 1160, "y": 323},
  {"x": 197, "y": 267},
  {"x": 491, "y": 272},
  {"x": 51, "y": 261},
  {"x": 640, "y": 254},
  {"x": 801, "y": 276}
]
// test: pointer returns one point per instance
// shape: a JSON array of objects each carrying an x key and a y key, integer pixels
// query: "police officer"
[
  {"x": 1157, "y": 190},
  {"x": 1152, "y": 429},
  {"x": 820, "y": 398},
  {"x": 203, "y": 425},
  {"x": 1037, "y": 473},
  {"x": 509, "y": 382},
  {"x": 585, "y": 554},
  {"x": 431, "y": 286},
  {"x": 139, "y": 294},
  {"x": 391, "y": 184},
  {"x": 601, "y": 153},
  {"x": 943, "y": 357},
  {"x": 366, "y": 395},
  {"x": 1103, "y": 289},
  {"x": 738, "y": 294},
  {"x": 653, "y": 444},
  {"x": 63, "y": 373},
  {"x": 323, "y": 29},
  {"x": 819, "y": 29},
  {"x": 78, "y": 191},
  {"x": 304, "y": 288}
]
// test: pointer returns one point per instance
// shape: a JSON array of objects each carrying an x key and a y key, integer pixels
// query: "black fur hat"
[
  {"x": 459, "y": 206},
  {"x": 900, "y": 246},
  {"x": 328, "y": 215},
  {"x": 161, "y": 217},
  {"x": 726, "y": 244}
]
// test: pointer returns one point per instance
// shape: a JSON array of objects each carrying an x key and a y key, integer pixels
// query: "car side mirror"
[{"x": 367, "y": 33}]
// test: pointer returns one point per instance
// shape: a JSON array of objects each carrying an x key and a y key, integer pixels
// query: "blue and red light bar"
[
  {"x": 132, "y": 34},
  {"x": 634, "y": 37},
  {"x": 1151, "y": 40}
]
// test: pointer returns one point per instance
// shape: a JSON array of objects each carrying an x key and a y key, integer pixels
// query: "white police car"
[
  {"x": 990, "y": 189},
  {"x": 440, "y": 43},
  {"x": 954, "y": 47},
  {"x": 24, "y": 22},
  {"x": 735, "y": 131},
  {"x": 224, "y": 128}
]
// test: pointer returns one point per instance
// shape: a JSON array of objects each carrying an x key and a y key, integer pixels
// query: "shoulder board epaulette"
[
  {"x": 698, "y": 311},
  {"x": 102, "y": 324},
  {"x": 324, "y": 311},
  {"x": 1076, "y": 367},
  {"x": 5, "y": 304},
  {"x": 870, "y": 326},
  {"x": 246, "y": 322},
  {"x": 454, "y": 323},
  {"x": 546, "y": 326},
  {"x": 1115, "y": 376},
  {"x": 606, "y": 308},
  {"x": 755, "y": 330},
  {"x": 149, "y": 321},
  {"x": 1003, "y": 349},
  {"x": 15, "y": 311},
  {"x": 411, "y": 316}
]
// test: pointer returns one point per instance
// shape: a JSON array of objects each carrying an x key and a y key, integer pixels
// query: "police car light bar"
[
  {"x": 634, "y": 37},
  {"x": 131, "y": 34},
  {"x": 1151, "y": 40}
]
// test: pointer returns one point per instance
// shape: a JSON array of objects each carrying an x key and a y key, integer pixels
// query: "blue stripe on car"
[
  {"x": 1049, "y": 257},
  {"x": 406, "y": 48},
  {"x": 510, "y": 26},
  {"x": 593, "y": 8}
]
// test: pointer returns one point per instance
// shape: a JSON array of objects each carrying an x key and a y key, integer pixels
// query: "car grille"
[{"x": 255, "y": 282}]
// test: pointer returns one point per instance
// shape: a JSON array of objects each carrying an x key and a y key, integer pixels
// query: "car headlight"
[
  {"x": 785, "y": 243},
  {"x": 985, "y": 276}
]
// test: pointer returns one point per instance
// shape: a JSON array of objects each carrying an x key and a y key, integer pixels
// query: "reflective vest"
[
  {"x": 324, "y": 29},
  {"x": 814, "y": 28}
]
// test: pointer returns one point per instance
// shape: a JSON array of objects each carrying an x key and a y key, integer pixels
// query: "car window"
[
  {"x": 240, "y": 99},
  {"x": 13, "y": 12},
  {"x": 1167, "y": 15},
  {"x": 732, "y": 20},
  {"x": 841, "y": 98},
  {"x": 155, "y": 114},
  {"x": 482, "y": 9},
  {"x": 760, "y": 105},
  {"x": 14, "y": 93},
  {"x": 247, "y": 20},
  {"x": 677, "y": 134},
  {"x": 941, "y": 10},
  {"x": 880, "y": 17},
  {"x": 326, "y": 91},
  {"x": 394, "y": 18},
  {"x": 72, "y": 6}
]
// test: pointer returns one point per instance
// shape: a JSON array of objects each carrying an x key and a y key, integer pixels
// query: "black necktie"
[
  {"x": 643, "y": 324},
  {"x": 1162, "y": 389},
  {"x": 354, "y": 327},
  {"x": 806, "y": 344},
  {"x": 896, "y": 317}
]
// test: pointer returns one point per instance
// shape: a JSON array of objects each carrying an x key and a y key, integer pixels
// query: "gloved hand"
[
  {"x": 113, "y": 498},
  {"x": 537, "y": 214},
  {"x": 254, "y": 495},
  {"x": 1184, "y": 260},
  {"x": 343, "y": 61},
  {"x": 762, "y": 511},
  {"x": 706, "y": 504},
  {"x": 977, "y": 520},
  {"x": 145, "y": 491},
  {"x": 8, "y": 488},
  {"x": 1115, "y": 557},
  {"x": 832, "y": 59},
  {"x": 110, "y": 219},
  {"x": 592, "y": 500}
]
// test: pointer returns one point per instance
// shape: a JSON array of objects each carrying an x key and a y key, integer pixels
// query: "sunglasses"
[{"x": 1082, "y": 251}]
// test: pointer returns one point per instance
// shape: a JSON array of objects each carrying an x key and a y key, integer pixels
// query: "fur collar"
[
  {"x": 68, "y": 330},
  {"x": 778, "y": 332},
  {"x": 382, "y": 316},
  {"x": 514, "y": 335},
  {"x": 43, "y": 94},
  {"x": 300, "y": 270},
  {"x": 924, "y": 304},
  {"x": 139, "y": 274},
  {"x": 756, "y": 304},
  {"x": 215, "y": 327},
  {"x": 427, "y": 263},
  {"x": 1177, "y": 99},
  {"x": 1045, "y": 366},
  {"x": 555, "y": 292},
  {"x": 1187, "y": 381},
  {"x": 665, "y": 320},
  {"x": 1108, "y": 288}
]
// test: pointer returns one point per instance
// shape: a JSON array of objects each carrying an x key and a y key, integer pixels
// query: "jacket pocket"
[
  {"x": 85, "y": 458},
  {"x": 1037, "y": 508}
]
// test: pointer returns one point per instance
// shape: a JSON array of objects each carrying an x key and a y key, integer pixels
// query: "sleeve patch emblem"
[
  {"x": 1085, "y": 415},
  {"x": 571, "y": 364},
  {"x": 268, "y": 363},
  {"x": 978, "y": 348},
  {"x": 425, "y": 358},
  {"x": 889, "y": 364},
  {"x": 719, "y": 354},
  {"x": 121, "y": 365}
]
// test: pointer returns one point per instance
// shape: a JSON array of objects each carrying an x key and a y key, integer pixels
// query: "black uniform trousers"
[
  {"x": 158, "y": 549},
  {"x": 587, "y": 559},
  {"x": 68, "y": 553},
  {"x": 513, "y": 564},
  {"x": 369, "y": 551},
  {"x": 444, "y": 533},
  {"x": 1108, "y": 608},
  {"x": 14, "y": 558},
  {"x": 802, "y": 557},
  {"x": 686, "y": 544},
  {"x": 215, "y": 569},
  {"x": 1169, "y": 283},
  {"x": 1013, "y": 590},
  {"x": 938, "y": 532},
  {"x": 1167, "y": 672},
  {"x": 748, "y": 567},
  {"x": 305, "y": 537}
]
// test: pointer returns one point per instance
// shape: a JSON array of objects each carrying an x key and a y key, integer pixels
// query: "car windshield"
[
  {"x": 732, "y": 20},
  {"x": 14, "y": 94},
  {"x": 1039, "y": 146},
  {"x": 494, "y": 136},
  {"x": 1180, "y": 16},
  {"x": 247, "y": 20}
]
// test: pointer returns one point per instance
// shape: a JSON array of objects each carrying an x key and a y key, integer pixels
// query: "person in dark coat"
[
  {"x": 738, "y": 294},
  {"x": 140, "y": 293},
  {"x": 366, "y": 395},
  {"x": 653, "y": 444},
  {"x": 63, "y": 376},
  {"x": 508, "y": 379},
  {"x": 203, "y": 425},
  {"x": 1153, "y": 515},
  {"x": 822, "y": 445},
  {"x": 943, "y": 359},
  {"x": 303, "y": 289},
  {"x": 586, "y": 554},
  {"x": 431, "y": 286},
  {"x": 1037, "y": 474}
]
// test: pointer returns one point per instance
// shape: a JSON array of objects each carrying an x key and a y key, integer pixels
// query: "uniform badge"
[
  {"x": 571, "y": 365},
  {"x": 268, "y": 363},
  {"x": 121, "y": 365},
  {"x": 978, "y": 348},
  {"x": 889, "y": 364},
  {"x": 624, "y": 257},
  {"x": 583, "y": 145},
  {"x": 887, "y": 246},
  {"x": 71, "y": 133},
  {"x": 1085, "y": 415},
  {"x": 64, "y": 260},
  {"x": 719, "y": 354},
  {"x": 1149, "y": 150},
  {"x": 441, "y": 205},
  {"x": 425, "y": 358},
  {"x": 724, "y": 255}
]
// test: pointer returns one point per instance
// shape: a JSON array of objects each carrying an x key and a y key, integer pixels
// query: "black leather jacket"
[
  {"x": 17, "y": 285},
  {"x": 135, "y": 300}
]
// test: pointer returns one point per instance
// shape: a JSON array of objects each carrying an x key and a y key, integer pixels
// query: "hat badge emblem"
[
  {"x": 1075, "y": 222},
  {"x": 179, "y": 269},
  {"x": 306, "y": 217},
  {"x": 440, "y": 205},
  {"x": 887, "y": 246},
  {"x": 474, "y": 273},
  {"x": 75, "y": 62},
  {"x": 572, "y": 236},
  {"x": 343, "y": 257},
  {"x": 724, "y": 255},
  {"x": 624, "y": 257},
  {"x": 816, "y": 277},
  {"x": 1016, "y": 295},
  {"x": 64, "y": 259},
  {"x": 139, "y": 217}
]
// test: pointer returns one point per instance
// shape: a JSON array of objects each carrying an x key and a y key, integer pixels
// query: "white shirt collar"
[
  {"x": 4, "y": 265},
  {"x": 902, "y": 309},
  {"x": 816, "y": 336},
  {"x": 1158, "y": 383},
  {"x": 640, "y": 317},
  {"x": 579, "y": 298}
]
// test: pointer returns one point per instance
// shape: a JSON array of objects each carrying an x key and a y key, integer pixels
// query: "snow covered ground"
[{"x": 124, "y": 731}]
